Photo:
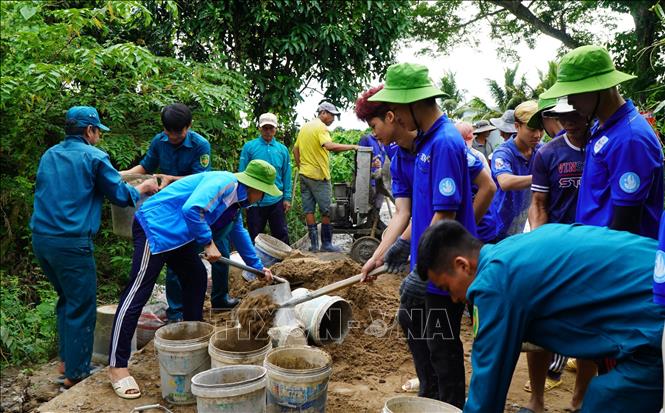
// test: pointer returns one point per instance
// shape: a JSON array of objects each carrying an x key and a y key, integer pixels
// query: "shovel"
[
  {"x": 331, "y": 287},
  {"x": 247, "y": 268}
]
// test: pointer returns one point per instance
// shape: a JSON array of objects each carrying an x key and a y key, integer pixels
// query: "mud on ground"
[{"x": 368, "y": 367}]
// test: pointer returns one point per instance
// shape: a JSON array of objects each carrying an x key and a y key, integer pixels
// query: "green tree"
[
  {"x": 572, "y": 22},
  {"x": 454, "y": 103},
  {"x": 282, "y": 46}
]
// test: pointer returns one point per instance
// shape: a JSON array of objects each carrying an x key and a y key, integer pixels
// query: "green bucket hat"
[
  {"x": 406, "y": 83},
  {"x": 260, "y": 175},
  {"x": 585, "y": 69},
  {"x": 536, "y": 121}
]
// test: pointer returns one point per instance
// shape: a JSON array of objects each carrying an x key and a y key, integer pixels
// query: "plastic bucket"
[
  {"x": 123, "y": 217},
  {"x": 103, "y": 331},
  {"x": 182, "y": 349},
  {"x": 407, "y": 404},
  {"x": 236, "y": 389},
  {"x": 326, "y": 318},
  {"x": 270, "y": 250},
  {"x": 232, "y": 346},
  {"x": 297, "y": 379}
]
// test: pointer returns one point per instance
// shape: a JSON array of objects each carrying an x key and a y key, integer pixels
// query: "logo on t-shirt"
[
  {"x": 475, "y": 321},
  {"x": 659, "y": 268},
  {"x": 600, "y": 143},
  {"x": 447, "y": 186},
  {"x": 499, "y": 163},
  {"x": 470, "y": 159},
  {"x": 205, "y": 160},
  {"x": 629, "y": 182}
]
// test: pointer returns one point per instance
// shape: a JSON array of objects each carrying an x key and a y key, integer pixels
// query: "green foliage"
[
  {"x": 574, "y": 23},
  {"x": 342, "y": 164},
  {"x": 28, "y": 331},
  {"x": 282, "y": 45}
]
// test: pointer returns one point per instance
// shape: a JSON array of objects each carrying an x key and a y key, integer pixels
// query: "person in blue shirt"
[
  {"x": 72, "y": 181},
  {"x": 622, "y": 183},
  {"x": 659, "y": 282},
  {"x": 511, "y": 170},
  {"x": 581, "y": 291},
  {"x": 557, "y": 170},
  {"x": 270, "y": 210},
  {"x": 171, "y": 227},
  {"x": 441, "y": 189}
]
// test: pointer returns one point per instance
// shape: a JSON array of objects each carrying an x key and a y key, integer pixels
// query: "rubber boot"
[
  {"x": 313, "y": 238},
  {"x": 220, "y": 299},
  {"x": 326, "y": 239}
]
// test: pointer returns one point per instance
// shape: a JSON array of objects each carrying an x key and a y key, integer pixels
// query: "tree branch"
[{"x": 523, "y": 13}]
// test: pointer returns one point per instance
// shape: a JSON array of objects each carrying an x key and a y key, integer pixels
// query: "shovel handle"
[
  {"x": 249, "y": 269},
  {"x": 333, "y": 287}
]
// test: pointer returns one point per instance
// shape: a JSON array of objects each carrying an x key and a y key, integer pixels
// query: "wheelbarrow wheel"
[{"x": 363, "y": 248}]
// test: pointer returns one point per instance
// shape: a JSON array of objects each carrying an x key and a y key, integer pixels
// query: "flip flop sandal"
[
  {"x": 60, "y": 380},
  {"x": 527, "y": 388},
  {"x": 525, "y": 410},
  {"x": 122, "y": 386},
  {"x": 64, "y": 387},
  {"x": 551, "y": 384}
]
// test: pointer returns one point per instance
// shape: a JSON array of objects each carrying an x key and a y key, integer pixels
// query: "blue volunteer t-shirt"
[
  {"x": 391, "y": 150},
  {"x": 486, "y": 228},
  {"x": 659, "y": 267},
  {"x": 557, "y": 170},
  {"x": 370, "y": 141},
  {"x": 401, "y": 171},
  {"x": 441, "y": 182},
  {"x": 623, "y": 167},
  {"x": 190, "y": 157},
  {"x": 510, "y": 208}
]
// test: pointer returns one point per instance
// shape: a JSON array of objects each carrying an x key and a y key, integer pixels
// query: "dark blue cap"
[{"x": 84, "y": 116}]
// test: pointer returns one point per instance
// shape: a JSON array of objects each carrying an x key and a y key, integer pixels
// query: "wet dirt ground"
[{"x": 368, "y": 367}]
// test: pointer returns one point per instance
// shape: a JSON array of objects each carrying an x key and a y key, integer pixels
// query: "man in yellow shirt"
[{"x": 311, "y": 155}]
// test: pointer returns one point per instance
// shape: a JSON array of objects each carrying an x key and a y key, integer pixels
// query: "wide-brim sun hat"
[
  {"x": 407, "y": 83},
  {"x": 536, "y": 121},
  {"x": 482, "y": 126},
  {"x": 506, "y": 123},
  {"x": 585, "y": 69},
  {"x": 562, "y": 107},
  {"x": 259, "y": 175}
]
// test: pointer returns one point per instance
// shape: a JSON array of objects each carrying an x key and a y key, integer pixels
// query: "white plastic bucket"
[
  {"x": 182, "y": 349},
  {"x": 325, "y": 318},
  {"x": 103, "y": 331},
  {"x": 232, "y": 346},
  {"x": 408, "y": 404},
  {"x": 297, "y": 379},
  {"x": 233, "y": 389},
  {"x": 270, "y": 250}
]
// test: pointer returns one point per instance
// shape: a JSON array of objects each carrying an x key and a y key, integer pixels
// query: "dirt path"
[{"x": 368, "y": 367}]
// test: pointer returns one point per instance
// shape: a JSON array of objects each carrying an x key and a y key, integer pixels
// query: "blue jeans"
[
  {"x": 69, "y": 265},
  {"x": 315, "y": 192},
  {"x": 220, "y": 279}
]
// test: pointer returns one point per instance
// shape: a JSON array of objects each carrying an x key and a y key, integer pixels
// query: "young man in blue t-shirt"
[
  {"x": 622, "y": 183},
  {"x": 557, "y": 170},
  {"x": 511, "y": 170},
  {"x": 441, "y": 190},
  {"x": 552, "y": 299},
  {"x": 659, "y": 282}
]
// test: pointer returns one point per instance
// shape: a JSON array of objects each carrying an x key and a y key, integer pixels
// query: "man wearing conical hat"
[{"x": 622, "y": 183}]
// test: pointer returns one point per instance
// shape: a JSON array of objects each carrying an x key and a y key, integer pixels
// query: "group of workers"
[{"x": 578, "y": 284}]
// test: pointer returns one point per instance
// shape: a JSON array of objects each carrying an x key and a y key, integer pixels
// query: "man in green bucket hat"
[
  {"x": 171, "y": 228},
  {"x": 622, "y": 182},
  {"x": 441, "y": 190}
]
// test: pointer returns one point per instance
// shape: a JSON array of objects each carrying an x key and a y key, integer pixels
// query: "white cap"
[
  {"x": 328, "y": 107},
  {"x": 268, "y": 119},
  {"x": 562, "y": 106}
]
